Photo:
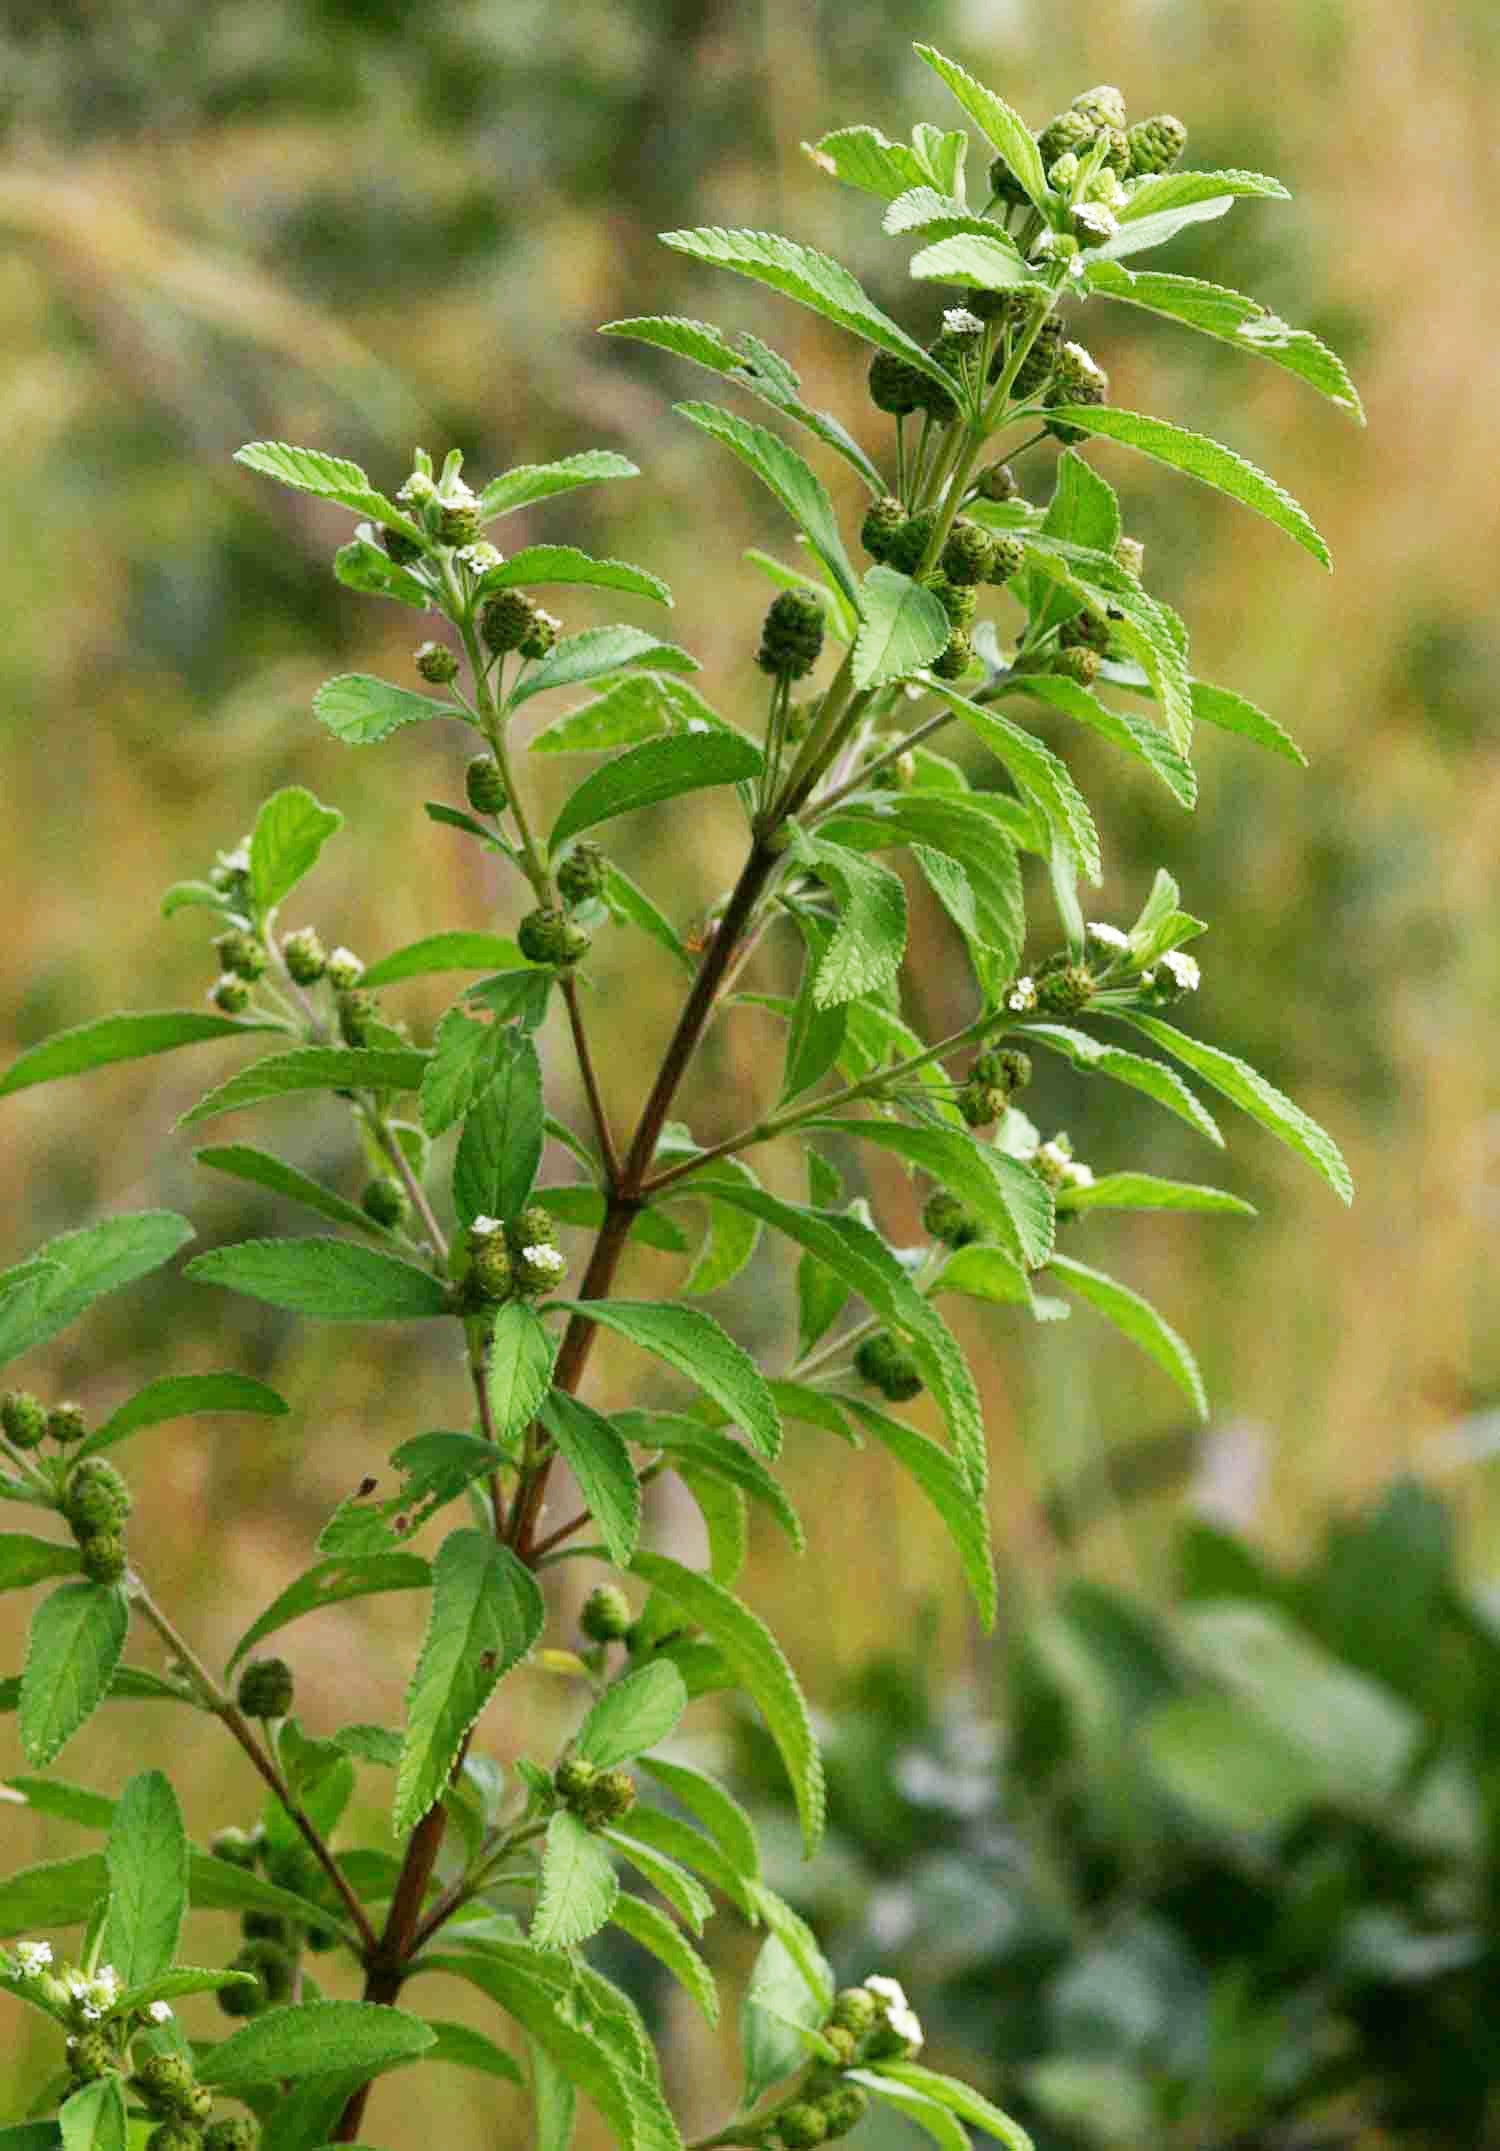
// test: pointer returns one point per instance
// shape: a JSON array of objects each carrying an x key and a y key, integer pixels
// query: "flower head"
[
  {"x": 479, "y": 557},
  {"x": 958, "y": 321},
  {"x": 1022, "y": 995},
  {"x": 159, "y": 2012},
  {"x": 1110, "y": 937},
  {"x": 1184, "y": 970},
  {"x": 545, "y": 1258},
  {"x": 484, "y": 1226},
  {"x": 32, "y": 1958}
]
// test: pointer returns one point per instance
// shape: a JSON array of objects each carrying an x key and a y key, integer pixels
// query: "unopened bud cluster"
[
  {"x": 272, "y": 1942},
  {"x": 867, "y": 2024},
  {"x": 992, "y": 1080},
  {"x": 597, "y": 1797}
]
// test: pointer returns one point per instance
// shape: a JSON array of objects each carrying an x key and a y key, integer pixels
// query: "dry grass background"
[{"x": 359, "y": 228}]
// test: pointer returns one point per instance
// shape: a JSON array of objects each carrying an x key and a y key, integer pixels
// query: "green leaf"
[
  {"x": 963, "y": 831},
  {"x": 922, "y": 209},
  {"x": 716, "y": 1809},
  {"x": 242, "y": 1161},
  {"x": 1136, "y": 234},
  {"x": 1232, "y": 713},
  {"x": 77, "y": 1635},
  {"x": 1135, "y": 735},
  {"x": 863, "y": 158},
  {"x": 985, "y": 1273},
  {"x": 68, "y": 1274},
  {"x": 93, "y": 2119},
  {"x": 700, "y": 1450},
  {"x": 486, "y": 1614},
  {"x": 731, "y": 1240},
  {"x": 540, "y": 564},
  {"x": 330, "y": 1280},
  {"x": 756, "y": 1661},
  {"x": 530, "y": 482},
  {"x": 947, "y": 1489},
  {"x": 683, "y": 1891},
  {"x": 147, "y": 1856},
  {"x": 977, "y": 261},
  {"x": 175, "y": 1396},
  {"x": 215, "y": 1886},
  {"x": 280, "y": 1075},
  {"x": 1234, "y": 1771},
  {"x": 54, "y": 1893},
  {"x": 578, "y": 1886},
  {"x": 470, "y": 2049},
  {"x": 627, "y": 711},
  {"x": 467, "y": 1056},
  {"x": 1199, "y": 457},
  {"x": 1143, "y": 1191},
  {"x": 596, "y": 652},
  {"x": 1163, "y": 1084},
  {"x": 518, "y": 1369},
  {"x": 779, "y": 467},
  {"x": 120, "y": 1038},
  {"x": 656, "y": 1933},
  {"x": 1152, "y": 634},
  {"x": 458, "y": 951},
  {"x": 1162, "y": 191},
  {"x": 1138, "y": 1320},
  {"x": 31, "y": 2136},
  {"x": 923, "y": 2112},
  {"x": 313, "y": 2039},
  {"x": 1251, "y": 1092},
  {"x": 693, "y": 1342},
  {"x": 810, "y": 278},
  {"x": 361, "y": 565},
  {"x": 865, "y": 953},
  {"x": 595, "y": 1452},
  {"x": 1005, "y": 129},
  {"x": 329, "y": 1583},
  {"x": 1233, "y": 319},
  {"x": 657, "y": 769},
  {"x": 290, "y": 831},
  {"x": 633, "y": 1714},
  {"x": 25, "y": 1560},
  {"x": 902, "y": 628},
  {"x": 779, "y": 2005},
  {"x": 171, "y": 1985},
  {"x": 1037, "y": 774},
  {"x": 839, "y": 619},
  {"x": 69, "y": 1803},
  {"x": 330, "y": 477},
  {"x": 500, "y": 1147},
  {"x": 359, "y": 709},
  {"x": 1006, "y": 1196}
]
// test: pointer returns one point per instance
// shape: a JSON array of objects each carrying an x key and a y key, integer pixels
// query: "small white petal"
[
  {"x": 484, "y": 1226},
  {"x": 1079, "y": 1176},
  {"x": 345, "y": 960},
  {"x": 889, "y": 1990},
  {"x": 1184, "y": 969},
  {"x": 1022, "y": 995},
  {"x": 33, "y": 1957},
  {"x": 958, "y": 321},
  {"x": 1111, "y": 936},
  {"x": 159, "y": 2012},
  {"x": 544, "y": 1258}
]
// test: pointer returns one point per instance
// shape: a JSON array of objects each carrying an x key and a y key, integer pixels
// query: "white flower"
[
  {"x": 1184, "y": 969},
  {"x": 1053, "y": 1154},
  {"x": 699, "y": 724},
  {"x": 899, "y": 2014},
  {"x": 1079, "y": 1176},
  {"x": 238, "y": 860},
  {"x": 107, "y": 1983},
  {"x": 33, "y": 1958},
  {"x": 958, "y": 321},
  {"x": 1022, "y": 995},
  {"x": 345, "y": 961},
  {"x": 1095, "y": 222},
  {"x": 1083, "y": 365},
  {"x": 479, "y": 557},
  {"x": 1110, "y": 936},
  {"x": 456, "y": 494},
  {"x": 159, "y": 2012},
  {"x": 889, "y": 1990},
  {"x": 544, "y": 1258},
  {"x": 484, "y": 1226}
]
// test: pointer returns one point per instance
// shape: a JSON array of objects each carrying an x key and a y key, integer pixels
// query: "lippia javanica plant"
[{"x": 976, "y": 602}]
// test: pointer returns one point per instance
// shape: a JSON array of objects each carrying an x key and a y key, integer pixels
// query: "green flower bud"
[
  {"x": 1035, "y": 370},
  {"x": 606, "y": 1615},
  {"x": 548, "y": 935},
  {"x": 533, "y": 1225},
  {"x": 883, "y": 520},
  {"x": 1062, "y": 174},
  {"x": 896, "y": 385},
  {"x": 1100, "y": 107},
  {"x": 95, "y": 1497},
  {"x": 345, "y": 970},
  {"x": 239, "y": 1848},
  {"x": 1008, "y": 1070},
  {"x": 1105, "y": 188},
  {"x": 1156, "y": 143},
  {"x": 801, "y": 2125},
  {"x": 484, "y": 786},
  {"x": 1069, "y": 132},
  {"x": 844, "y": 2044},
  {"x": 611, "y": 1795},
  {"x": 573, "y": 1780},
  {"x": 103, "y": 1556},
  {"x": 887, "y": 1366},
  {"x": 237, "y": 2132},
  {"x": 293, "y": 1867},
  {"x": 272, "y": 1965},
  {"x": 1131, "y": 555},
  {"x": 417, "y": 491},
  {"x": 843, "y": 2109},
  {"x": 400, "y": 548},
  {"x": 175, "y": 2135},
  {"x": 242, "y": 2001},
  {"x": 987, "y": 305},
  {"x": 855, "y": 2009},
  {"x": 230, "y": 994},
  {"x": 266, "y": 1927},
  {"x": 384, "y": 1203},
  {"x": 357, "y": 1010},
  {"x": 305, "y": 957},
  {"x": 1117, "y": 152},
  {"x": 265, "y": 1689},
  {"x": 241, "y": 953},
  {"x": 980, "y": 1104},
  {"x": 436, "y": 662},
  {"x": 1093, "y": 223},
  {"x": 1086, "y": 630},
  {"x": 1078, "y": 663},
  {"x": 997, "y": 481},
  {"x": 955, "y": 658},
  {"x": 92, "y": 2054},
  {"x": 908, "y": 544},
  {"x": 945, "y": 1217},
  {"x": 960, "y": 601},
  {"x": 66, "y": 1423},
  {"x": 24, "y": 1418},
  {"x": 456, "y": 522},
  {"x": 1063, "y": 991},
  {"x": 1079, "y": 379},
  {"x": 1009, "y": 557},
  {"x": 968, "y": 553},
  {"x": 168, "y": 2086},
  {"x": 541, "y": 636},
  {"x": 506, "y": 620},
  {"x": 791, "y": 638},
  {"x": 580, "y": 873},
  {"x": 491, "y": 1274}
]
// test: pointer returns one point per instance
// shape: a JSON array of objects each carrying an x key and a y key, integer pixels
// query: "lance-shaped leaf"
[
  {"x": 978, "y": 261},
  {"x": 779, "y": 2010},
  {"x": 1210, "y": 462},
  {"x": 281, "y": 1075},
  {"x": 1005, "y": 129},
  {"x": 596, "y": 652},
  {"x": 69, "y": 1273},
  {"x": 290, "y": 831},
  {"x": 1007, "y": 1198},
  {"x": 330, "y": 1583},
  {"x": 691, "y": 1443},
  {"x": 657, "y": 769},
  {"x": 717, "y": 1810},
  {"x": 329, "y": 477},
  {"x": 693, "y": 1342},
  {"x": 682, "y": 1890},
  {"x": 361, "y": 565},
  {"x": 949, "y": 1492},
  {"x": 313, "y": 2039},
  {"x": 541, "y": 564},
  {"x": 985, "y": 1273},
  {"x": 77, "y": 1635},
  {"x": 902, "y": 628},
  {"x": 147, "y": 1856},
  {"x": 1233, "y": 319},
  {"x": 1138, "y": 1320},
  {"x": 486, "y": 1613},
  {"x": 242, "y": 1161},
  {"x": 595, "y": 1452},
  {"x": 656, "y": 1933},
  {"x": 359, "y": 709},
  {"x": 1037, "y": 773},
  {"x": 1143, "y": 1191},
  {"x": 121, "y": 1038},
  {"x": 25, "y": 1560},
  {"x": 1145, "y": 741},
  {"x": 779, "y": 467},
  {"x": 1161, "y": 191},
  {"x": 961, "y": 830},
  {"x": 530, "y": 482},
  {"x": 330, "y": 1280},
  {"x": 1148, "y": 629},
  {"x": 1232, "y": 713},
  {"x": 810, "y": 278},
  {"x": 470, "y": 2049},
  {"x": 758, "y": 1665},
  {"x": 461, "y": 950},
  {"x": 578, "y": 1885},
  {"x": 500, "y": 1147},
  {"x": 632, "y": 1715},
  {"x": 1091, "y": 1055},
  {"x": 1136, "y": 235}
]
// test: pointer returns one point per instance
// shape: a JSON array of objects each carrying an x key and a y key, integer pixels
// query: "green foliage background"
[{"x": 363, "y": 223}]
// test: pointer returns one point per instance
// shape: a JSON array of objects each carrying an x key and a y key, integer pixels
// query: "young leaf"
[
  {"x": 779, "y": 2005},
  {"x": 242, "y": 1161},
  {"x": 596, "y": 652},
  {"x": 1136, "y": 234},
  {"x": 1232, "y": 713},
  {"x": 1208, "y": 461},
  {"x": 656, "y": 1933},
  {"x": 902, "y": 628},
  {"x": 1139, "y": 1321},
  {"x": 655, "y": 770},
  {"x": 470, "y": 2049},
  {"x": 985, "y": 1273},
  {"x": 313, "y": 2039},
  {"x": 1162, "y": 191},
  {"x": 330, "y": 477},
  {"x": 280, "y": 1075},
  {"x": 980, "y": 261},
  {"x": 530, "y": 482},
  {"x": 93, "y": 2118},
  {"x": 69, "y": 1273},
  {"x": 925, "y": 209},
  {"x": 121, "y": 1038},
  {"x": 540, "y": 564},
  {"x": 925, "y": 2113},
  {"x": 757, "y": 1663},
  {"x": 692, "y": 1342},
  {"x": 486, "y": 1614},
  {"x": 361, "y": 565},
  {"x": 77, "y": 1635},
  {"x": 949, "y": 1492},
  {"x": 500, "y": 1147},
  {"x": 174, "y": 1396},
  {"x": 578, "y": 1887},
  {"x": 1143, "y": 1191},
  {"x": 518, "y": 1368},
  {"x": 782, "y": 470},
  {"x": 467, "y": 1055},
  {"x": 25, "y": 1560},
  {"x": 1005, "y": 1195},
  {"x": 147, "y": 1857},
  {"x": 359, "y": 709},
  {"x": 863, "y": 158},
  {"x": 457, "y": 951},
  {"x": 865, "y": 953},
  {"x": 716, "y": 1809},
  {"x": 1145, "y": 741},
  {"x": 1004, "y": 128},
  {"x": 1037, "y": 774},
  {"x": 1251, "y": 1092},
  {"x": 632, "y": 1715},
  {"x": 290, "y": 831},
  {"x": 330, "y": 1280},
  {"x": 595, "y": 1453},
  {"x": 328, "y": 1583},
  {"x": 1163, "y": 1084},
  {"x": 683, "y": 1891}
]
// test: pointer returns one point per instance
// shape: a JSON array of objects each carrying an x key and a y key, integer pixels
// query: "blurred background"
[{"x": 360, "y": 224}]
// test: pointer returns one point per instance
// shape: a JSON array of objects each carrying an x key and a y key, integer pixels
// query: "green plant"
[{"x": 504, "y": 1883}]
